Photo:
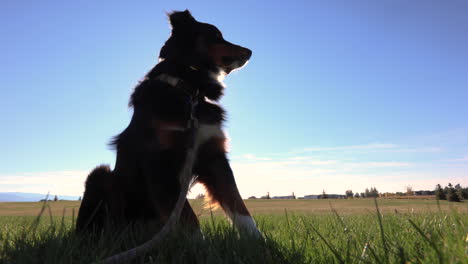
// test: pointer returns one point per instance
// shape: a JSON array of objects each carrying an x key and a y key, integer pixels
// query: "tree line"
[
  {"x": 368, "y": 193},
  {"x": 451, "y": 193}
]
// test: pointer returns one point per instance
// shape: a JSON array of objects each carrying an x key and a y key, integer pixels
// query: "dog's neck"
[{"x": 201, "y": 77}]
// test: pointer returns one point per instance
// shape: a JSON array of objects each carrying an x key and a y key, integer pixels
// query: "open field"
[
  {"x": 308, "y": 231},
  {"x": 259, "y": 206}
]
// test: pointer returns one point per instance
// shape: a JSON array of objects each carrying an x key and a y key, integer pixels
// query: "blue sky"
[{"x": 338, "y": 94}]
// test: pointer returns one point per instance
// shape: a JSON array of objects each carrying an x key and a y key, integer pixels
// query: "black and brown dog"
[{"x": 144, "y": 186}]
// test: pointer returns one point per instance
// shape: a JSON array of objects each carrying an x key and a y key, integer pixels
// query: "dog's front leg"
[
  {"x": 163, "y": 188},
  {"x": 216, "y": 175}
]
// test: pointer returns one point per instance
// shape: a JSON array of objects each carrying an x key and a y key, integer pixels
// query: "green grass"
[{"x": 367, "y": 236}]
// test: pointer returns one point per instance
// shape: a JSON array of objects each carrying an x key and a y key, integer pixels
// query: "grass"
[
  {"x": 260, "y": 207},
  {"x": 348, "y": 231}
]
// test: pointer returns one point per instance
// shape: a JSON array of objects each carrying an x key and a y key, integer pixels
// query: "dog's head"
[{"x": 200, "y": 44}]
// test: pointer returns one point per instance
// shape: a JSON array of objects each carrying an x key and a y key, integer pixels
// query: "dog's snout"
[
  {"x": 229, "y": 56},
  {"x": 247, "y": 53}
]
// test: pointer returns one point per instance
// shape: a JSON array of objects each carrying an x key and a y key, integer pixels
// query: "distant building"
[
  {"x": 424, "y": 193},
  {"x": 284, "y": 197},
  {"x": 336, "y": 196},
  {"x": 311, "y": 196},
  {"x": 292, "y": 196},
  {"x": 319, "y": 196}
]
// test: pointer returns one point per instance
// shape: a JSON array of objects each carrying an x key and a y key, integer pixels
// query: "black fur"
[{"x": 143, "y": 186}]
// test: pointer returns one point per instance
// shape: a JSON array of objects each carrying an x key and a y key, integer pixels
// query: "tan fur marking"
[
  {"x": 207, "y": 132},
  {"x": 165, "y": 132}
]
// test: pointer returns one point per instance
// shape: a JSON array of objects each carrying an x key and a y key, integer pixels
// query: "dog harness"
[{"x": 193, "y": 97}]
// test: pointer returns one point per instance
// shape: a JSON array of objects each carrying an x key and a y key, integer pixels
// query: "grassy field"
[
  {"x": 296, "y": 231},
  {"x": 260, "y": 206}
]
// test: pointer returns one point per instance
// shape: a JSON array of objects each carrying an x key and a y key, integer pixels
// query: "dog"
[{"x": 183, "y": 86}]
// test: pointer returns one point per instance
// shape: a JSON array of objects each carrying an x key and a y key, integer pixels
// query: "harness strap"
[
  {"x": 193, "y": 100},
  {"x": 171, "y": 80}
]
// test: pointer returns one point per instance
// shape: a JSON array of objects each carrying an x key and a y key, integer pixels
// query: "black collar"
[{"x": 180, "y": 84}]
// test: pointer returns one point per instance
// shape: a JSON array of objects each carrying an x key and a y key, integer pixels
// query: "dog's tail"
[{"x": 92, "y": 213}]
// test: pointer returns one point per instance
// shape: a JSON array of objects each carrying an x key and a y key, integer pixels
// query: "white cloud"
[
  {"x": 465, "y": 158},
  {"x": 63, "y": 182},
  {"x": 281, "y": 174},
  {"x": 381, "y": 147},
  {"x": 284, "y": 173},
  {"x": 322, "y": 162},
  {"x": 259, "y": 178},
  {"x": 368, "y": 165},
  {"x": 253, "y": 157},
  {"x": 421, "y": 150},
  {"x": 301, "y": 158},
  {"x": 353, "y": 147}
]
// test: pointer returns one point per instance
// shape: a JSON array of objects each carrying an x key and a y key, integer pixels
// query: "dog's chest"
[
  {"x": 207, "y": 132},
  {"x": 172, "y": 135}
]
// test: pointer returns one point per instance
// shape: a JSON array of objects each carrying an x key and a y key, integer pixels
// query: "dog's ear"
[
  {"x": 180, "y": 19},
  {"x": 182, "y": 23}
]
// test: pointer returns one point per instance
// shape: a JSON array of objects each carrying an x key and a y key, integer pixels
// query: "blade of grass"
[
  {"x": 382, "y": 233},
  {"x": 429, "y": 241},
  {"x": 333, "y": 250}
]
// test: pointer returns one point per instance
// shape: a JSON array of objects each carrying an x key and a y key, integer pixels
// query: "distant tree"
[
  {"x": 324, "y": 195},
  {"x": 459, "y": 191},
  {"x": 55, "y": 198},
  {"x": 252, "y": 197},
  {"x": 349, "y": 194},
  {"x": 373, "y": 192},
  {"x": 363, "y": 195},
  {"x": 464, "y": 192},
  {"x": 293, "y": 195},
  {"x": 200, "y": 196},
  {"x": 440, "y": 193},
  {"x": 452, "y": 195},
  {"x": 79, "y": 198},
  {"x": 356, "y": 195},
  {"x": 268, "y": 195},
  {"x": 446, "y": 189},
  {"x": 409, "y": 190},
  {"x": 367, "y": 193}
]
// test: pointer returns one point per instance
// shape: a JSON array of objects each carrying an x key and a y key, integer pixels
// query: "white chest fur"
[{"x": 207, "y": 132}]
